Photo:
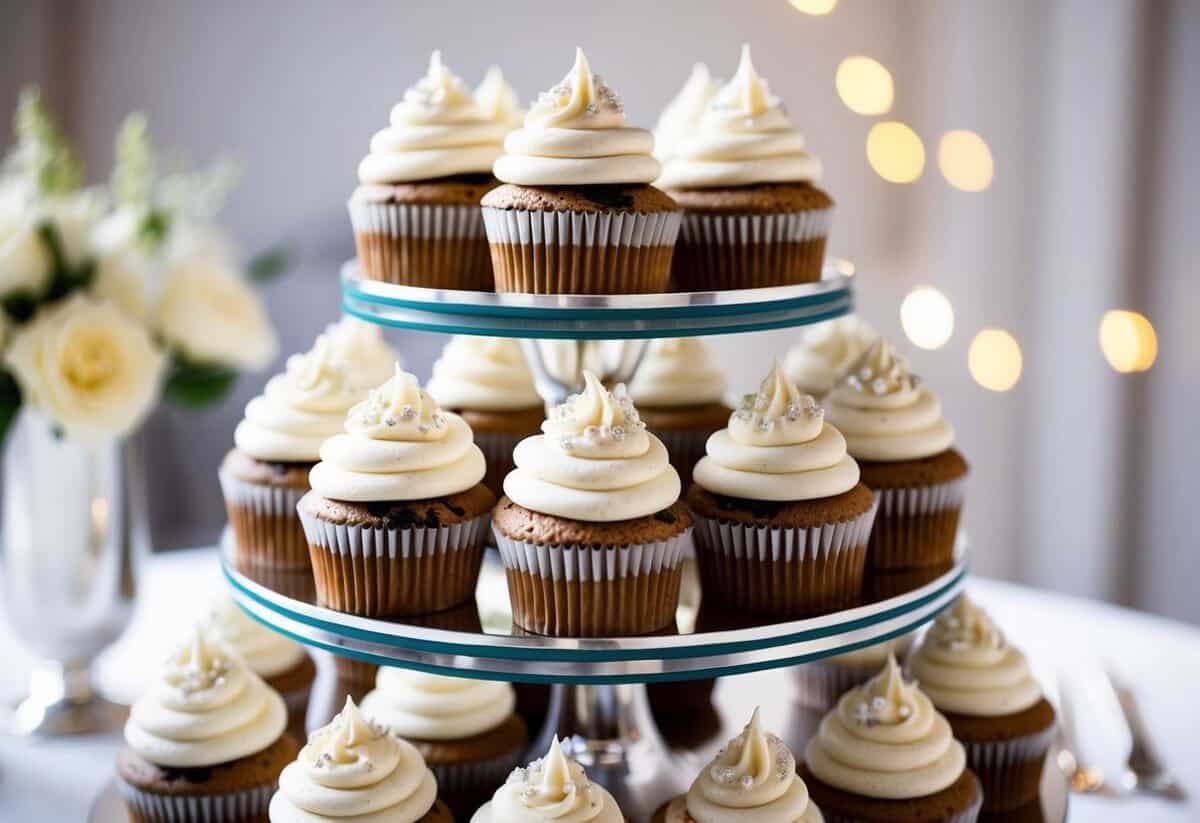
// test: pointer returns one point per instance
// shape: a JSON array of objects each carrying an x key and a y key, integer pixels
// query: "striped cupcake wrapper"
[{"x": 146, "y": 807}]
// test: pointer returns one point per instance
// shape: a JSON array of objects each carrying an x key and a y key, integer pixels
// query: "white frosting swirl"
[
  {"x": 886, "y": 740},
  {"x": 681, "y": 116},
  {"x": 552, "y": 788},
  {"x": 575, "y": 135},
  {"x": 594, "y": 461},
  {"x": 778, "y": 448},
  {"x": 205, "y": 708},
  {"x": 437, "y": 130},
  {"x": 751, "y": 780},
  {"x": 966, "y": 666},
  {"x": 826, "y": 352},
  {"x": 351, "y": 770},
  {"x": 483, "y": 373},
  {"x": 744, "y": 137},
  {"x": 398, "y": 445},
  {"x": 421, "y": 706},
  {"x": 497, "y": 101},
  {"x": 885, "y": 412},
  {"x": 266, "y": 652},
  {"x": 363, "y": 352},
  {"x": 677, "y": 371}
]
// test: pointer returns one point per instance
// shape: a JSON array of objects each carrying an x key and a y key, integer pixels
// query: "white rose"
[
  {"x": 75, "y": 217},
  {"x": 211, "y": 315},
  {"x": 86, "y": 365},
  {"x": 188, "y": 239},
  {"x": 25, "y": 264},
  {"x": 128, "y": 279}
]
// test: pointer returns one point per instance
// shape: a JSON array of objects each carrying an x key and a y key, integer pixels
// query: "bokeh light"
[
  {"x": 864, "y": 85},
  {"x": 994, "y": 359},
  {"x": 927, "y": 317},
  {"x": 1128, "y": 341},
  {"x": 895, "y": 152},
  {"x": 814, "y": 6},
  {"x": 965, "y": 160}
]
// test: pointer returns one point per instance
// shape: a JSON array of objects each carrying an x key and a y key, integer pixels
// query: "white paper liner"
[
  {"x": 423, "y": 220},
  {"x": 566, "y": 228},
  {"x": 998, "y": 760},
  {"x": 918, "y": 500},
  {"x": 268, "y": 501},
  {"x": 747, "y": 229},
  {"x": 394, "y": 544},
  {"x": 590, "y": 563},
  {"x": 251, "y": 804},
  {"x": 762, "y": 543}
]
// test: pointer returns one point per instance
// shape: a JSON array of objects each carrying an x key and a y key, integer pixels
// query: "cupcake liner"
[
  {"x": 882, "y": 585},
  {"x": 467, "y": 786},
  {"x": 592, "y": 591},
  {"x": 439, "y": 246},
  {"x": 784, "y": 572},
  {"x": 570, "y": 252},
  {"x": 1010, "y": 770},
  {"x": 394, "y": 572},
  {"x": 497, "y": 448},
  {"x": 916, "y": 526},
  {"x": 145, "y": 807},
  {"x": 746, "y": 251},
  {"x": 266, "y": 531}
]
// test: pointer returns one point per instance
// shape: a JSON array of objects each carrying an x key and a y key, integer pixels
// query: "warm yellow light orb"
[
  {"x": 1128, "y": 341},
  {"x": 895, "y": 152},
  {"x": 965, "y": 160},
  {"x": 814, "y": 6},
  {"x": 994, "y": 359},
  {"x": 864, "y": 85},
  {"x": 927, "y": 317}
]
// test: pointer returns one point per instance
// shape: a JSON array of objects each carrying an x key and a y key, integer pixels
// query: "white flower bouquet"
[{"x": 112, "y": 299}]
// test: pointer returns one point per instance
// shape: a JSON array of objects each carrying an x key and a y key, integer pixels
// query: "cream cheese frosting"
[
  {"x": 751, "y": 780},
  {"x": 575, "y": 135},
  {"x": 885, "y": 740},
  {"x": 421, "y": 706},
  {"x": 205, "y": 707},
  {"x": 681, "y": 116},
  {"x": 498, "y": 101},
  {"x": 362, "y": 351},
  {"x": 826, "y": 352},
  {"x": 266, "y": 652},
  {"x": 483, "y": 373},
  {"x": 884, "y": 410},
  {"x": 777, "y": 447},
  {"x": 744, "y": 137},
  {"x": 551, "y": 789},
  {"x": 594, "y": 461},
  {"x": 966, "y": 666},
  {"x": 436, "y": 130},
  {"x": 398, "y": 445},
  {"x": 677, "y": 371},
  {"x": 353, "y": 770}
]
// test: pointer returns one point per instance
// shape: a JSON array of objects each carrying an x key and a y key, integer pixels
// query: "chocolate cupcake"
[
  {"x": 206, "y": 742},
  {"x": 826, "y": 352},
  {"x": 486, "y": 381},
  {"x": 996, "y": 709},
  {"x": 782, "y": 520},
  {"x": 821, "y": 683},
  {"x": 553, "y": 787},
  {"x": 577, "y": 214},
  {"x": 353, "y": 770},
  {"x": 753, "y": 215},
  {"x": 397, "y": 518},
  {"x": 885, "y": 755},
  {"x": 753, "y": 777},
  {"x": 467, "y": 730},
  {"x": 591, "y": 530},
  {"x": 894, "y": 428},
  {"x": 415, "y": 213},
  {"x": 679, "y": 390}
]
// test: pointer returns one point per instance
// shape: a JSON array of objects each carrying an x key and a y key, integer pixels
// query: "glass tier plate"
[{"x": 598, "y": 317}]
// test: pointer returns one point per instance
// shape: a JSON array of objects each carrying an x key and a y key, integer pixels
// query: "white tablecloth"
[{"x": 55, "y": 780}]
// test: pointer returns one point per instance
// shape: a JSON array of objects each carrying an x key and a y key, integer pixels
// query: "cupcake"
[
  {"x": 894, "y": 428},
  {"x": 553, "y": 787},
  {"x": 415, "y": 212},
  {"x": 591, "y": 530},
  {"x": 752, "y": 778},
  {"x": 396, "y": 521},
  {"x": 995, "y": 708},
  {"x": 497, "y": 101},
  {"x": 826, "y": 352},
  {"x": 352, "y": 770},
  {"x": 681, "y": 117},
  {"x": 467, "y": 730},
  {"x": 753, "y": 215},
  {"x": 782, "y": 520},
  {"x": 206, "y": 742},
  {"x": 679, "y": 390},
  {"x": 821, "y": 682},
  {"x": 486, "y": 381},
  {"x": 278, "y": 441},
  {"x": 282, "y": 663},
  {"x": 577, "y": 214},
  {"x": 885, "y": 755}
]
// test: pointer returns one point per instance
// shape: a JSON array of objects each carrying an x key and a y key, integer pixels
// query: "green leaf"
[
  {"x": 267, "y": 265},
  {"x": 195, "y": 385},
  {"x": 65, "y": 280},
  {"x": 10, "y": 402},
  {"x": 20, "y": 305},
  {"x": 153, "y": 230}
]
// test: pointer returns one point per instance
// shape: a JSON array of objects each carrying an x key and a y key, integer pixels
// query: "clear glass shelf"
[{"x": 598, "y": 317}]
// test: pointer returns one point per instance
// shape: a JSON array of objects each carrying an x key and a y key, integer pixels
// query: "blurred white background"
[{"x": 1083, "y": 477}]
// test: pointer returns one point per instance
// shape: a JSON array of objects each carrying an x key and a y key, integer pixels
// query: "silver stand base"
[{"x": 61, "y": 702}]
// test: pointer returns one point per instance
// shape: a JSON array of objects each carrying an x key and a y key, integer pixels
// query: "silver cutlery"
[{"x": 1145, "y": 772}]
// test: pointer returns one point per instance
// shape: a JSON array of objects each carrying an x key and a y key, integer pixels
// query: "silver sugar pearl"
[{"x": 747, "y": 782}]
